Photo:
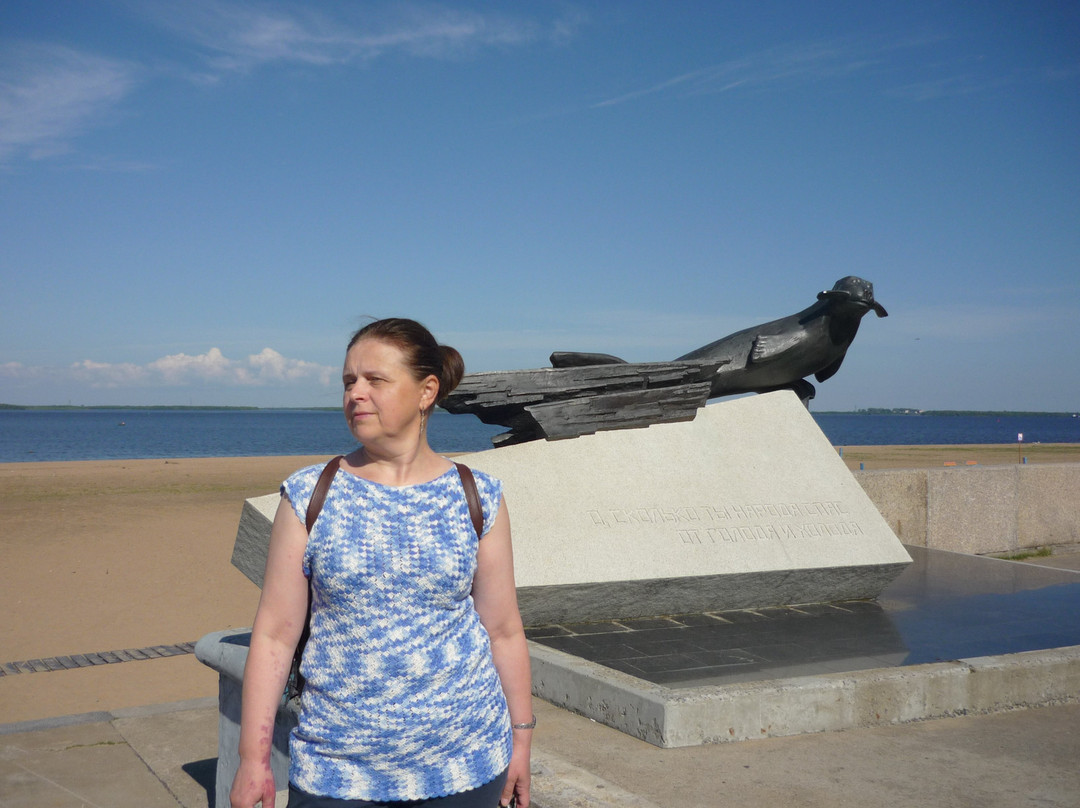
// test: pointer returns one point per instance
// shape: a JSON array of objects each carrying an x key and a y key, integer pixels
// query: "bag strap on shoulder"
[
  {"x": 476, "y": 513},
  {"x": 318, "y": 496}
]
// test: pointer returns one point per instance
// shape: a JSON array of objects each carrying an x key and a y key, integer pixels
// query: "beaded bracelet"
[{"x": 530, "y": 725}]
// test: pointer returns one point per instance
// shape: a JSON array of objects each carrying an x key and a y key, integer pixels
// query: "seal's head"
[{"x": 855, "y": 291}]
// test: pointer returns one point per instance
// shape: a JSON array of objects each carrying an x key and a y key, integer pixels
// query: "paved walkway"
[{"x": 165, "y": 755}]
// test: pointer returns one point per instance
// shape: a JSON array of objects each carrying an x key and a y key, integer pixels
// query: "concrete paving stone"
[
  {"x": 179, "y": 746},
  {"x": 1019, "y": 759},
  {"x": 76, "y": 766}
]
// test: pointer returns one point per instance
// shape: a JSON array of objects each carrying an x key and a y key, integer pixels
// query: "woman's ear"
[{"x": 429, "y": 392}]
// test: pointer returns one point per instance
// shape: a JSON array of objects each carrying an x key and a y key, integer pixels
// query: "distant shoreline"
[
  {"x": 157, "y": 407},
  {"x": 227, "y": 408},
  {"x": 972, "y": 413}
]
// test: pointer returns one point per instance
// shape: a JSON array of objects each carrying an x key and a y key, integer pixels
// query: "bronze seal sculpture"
[{"x": 582, "y": 392}]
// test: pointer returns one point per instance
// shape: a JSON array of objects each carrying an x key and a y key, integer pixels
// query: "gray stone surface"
[
  {"x": 748, "y": 505},
  {"x": 253, "y": 536},
  {"x": 669, "y": 717},
  {"x": 1004, "y": 760},
  {"x": 973, "y": 519},
  {"x": 1049, "y": 506},
  {"x": 900, "y": 497},
  {"x": 980, "y": 509}
]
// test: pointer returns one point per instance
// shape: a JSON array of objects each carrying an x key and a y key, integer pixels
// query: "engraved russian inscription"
[{"x": 737, "y": 522}]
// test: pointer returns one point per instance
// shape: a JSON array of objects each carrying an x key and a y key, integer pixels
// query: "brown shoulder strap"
[
  {"x": 295, "y": 685},
  {"x": 318, "y": 496},
  {"x": 468, "y": 482}
]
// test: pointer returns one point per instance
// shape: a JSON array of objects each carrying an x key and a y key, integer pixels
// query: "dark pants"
[{"x": 485, "y": 796}]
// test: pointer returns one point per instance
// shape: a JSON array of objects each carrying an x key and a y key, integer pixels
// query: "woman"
[{"x": 417, "y": 670}]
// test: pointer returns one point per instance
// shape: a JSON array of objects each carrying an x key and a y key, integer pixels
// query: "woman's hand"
[
  {"x": 254, "y": 782},
  {"x": 519, "y": 775}
]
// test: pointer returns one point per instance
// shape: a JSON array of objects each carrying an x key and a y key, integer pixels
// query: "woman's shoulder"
[
  {"x": 485, "y": 478},
  {"x": 487, "y": 485},
  {"x": 306, "y": 473},
  {"x": 302, "y": 481}
]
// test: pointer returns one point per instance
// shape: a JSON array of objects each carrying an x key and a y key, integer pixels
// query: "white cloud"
[
  {"x": 50, "y": 94},
  {"x": 210, "y": 366},
  {"x": 101, "y": 374},
  {"x": 241, "y": 36},
  {"x": 264, "y": 369},
  {"x": 270, "y": 366}
]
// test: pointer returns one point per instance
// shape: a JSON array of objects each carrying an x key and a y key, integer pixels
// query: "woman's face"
[{"x": 382, "y": 401}]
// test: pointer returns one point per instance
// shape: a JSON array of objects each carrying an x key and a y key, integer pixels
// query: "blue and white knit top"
[{"x": 402, "y": 700}]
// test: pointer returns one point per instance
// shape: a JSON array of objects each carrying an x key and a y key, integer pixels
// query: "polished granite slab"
[{"x": 945, "y": 606}]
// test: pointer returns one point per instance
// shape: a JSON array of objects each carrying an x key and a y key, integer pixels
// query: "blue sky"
[{"x": 200, "y": 201}]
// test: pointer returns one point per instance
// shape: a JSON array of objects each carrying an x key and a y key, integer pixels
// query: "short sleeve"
[
  {"x": 490, "y": 490},
  {"x": 299, "y": 487}
]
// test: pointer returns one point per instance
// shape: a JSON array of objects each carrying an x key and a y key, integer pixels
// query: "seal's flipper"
[
  {"x": 768, "y": 347},
  {"x": 827, "y": 372},
  {"x": 579, "y": 359}
]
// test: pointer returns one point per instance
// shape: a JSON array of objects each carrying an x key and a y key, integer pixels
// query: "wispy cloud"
[
  {"x": 50, "y": 94},
  {"x": 268, "y": 367},
  {"x": 241, "y": 36},
  {"x": 795, "y": 65},
  {"x": 774, "y": 67}
]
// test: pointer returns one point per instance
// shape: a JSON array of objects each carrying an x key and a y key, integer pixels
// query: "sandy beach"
[{"x": 112, "y": 555}]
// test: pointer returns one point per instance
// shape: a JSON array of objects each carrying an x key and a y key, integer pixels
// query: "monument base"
[
  {"x": 746, "y": 506},
  {"x": 541, "y": 605}
]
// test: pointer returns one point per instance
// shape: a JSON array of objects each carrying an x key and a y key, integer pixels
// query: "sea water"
[{"x": 121, "y": 434}]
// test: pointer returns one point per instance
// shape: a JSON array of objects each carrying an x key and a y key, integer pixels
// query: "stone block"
[
  {"x": 900, "y": 497},
  {"x": 746, "y": 506},
  {"x": 253, "y": 536},
  {"x": 966, "y": 517},
  {"x": 1049, "y": 506}
]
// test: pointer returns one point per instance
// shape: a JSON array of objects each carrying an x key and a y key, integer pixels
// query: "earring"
[{"x": 423, "y": 421}]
